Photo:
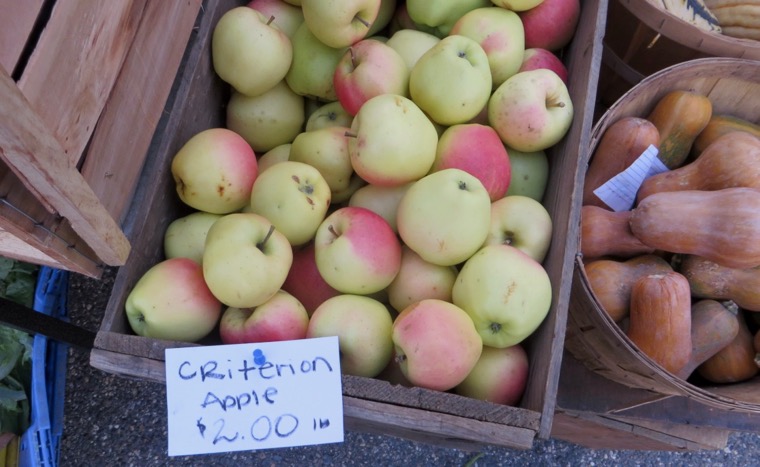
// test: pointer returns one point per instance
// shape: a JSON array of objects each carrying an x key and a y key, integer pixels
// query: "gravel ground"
[{"x": 113, "y": 421}]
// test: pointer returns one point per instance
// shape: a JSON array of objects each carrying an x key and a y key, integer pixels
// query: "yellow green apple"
[
  {"x": 340, "y": 23},
  {"x": 500, "y": 376},
  {"x": 445, "y": 216},
  {"x": 501, "y": 35},
  {"x": 363, "y": 326},
  {"x": 522, "y": 222},
  {"x": 506, "y": 293},
  {"x": 392, "y": 141},
  {"x": 451, "y": 82},
  {"x": 245, "y": 260},
  {"x": 267, "y": 120},
  {"x": 172, "y": 301},
  {"x": 185, "y": 236},
  {"x": 532, "y": 110},
  {"x": 294, "y": 197},
  {"x": 250, "y": 52},
  {"x": 325, "y": 149}
]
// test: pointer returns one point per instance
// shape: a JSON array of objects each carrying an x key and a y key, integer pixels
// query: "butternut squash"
[
  {"x": 608, "y": 233},
  {"x": 708, "y": 279},
  {"x": 660, "y": 319},
  {"x": 679, "y": 117},
  {"x": 732, "y": 160},
  {"x": 713, "y": 326},
  {"x": 611, "y": 281},
  {"x": 733, "y": 363},
  {"x": 718, "y": 126},
  {"x": 621, "y": 144},
  {"x": 722, "y": 226}
]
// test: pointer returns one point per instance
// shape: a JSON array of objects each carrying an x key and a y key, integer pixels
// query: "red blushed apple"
[
  {"x": 551, "y": 24},
  {"x": 357, "y": 251},
  {"x": 304, "y": 280},
  {"x": 436, "y": 344},
  {"x": 281, "y": 318},
  {"x": 367, "y": 69},
  {"x": 541, "y": 58},
  {"x": 499, "y": 376},
  {"x": 478, "y": 150}
]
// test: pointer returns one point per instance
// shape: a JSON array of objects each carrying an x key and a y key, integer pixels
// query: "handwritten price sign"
[{"x": 253, "y": 396}]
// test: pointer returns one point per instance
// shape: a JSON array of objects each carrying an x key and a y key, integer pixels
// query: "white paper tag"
[
  {"x": 246, "y": 397},
  {"x": 619, "y": 192}
]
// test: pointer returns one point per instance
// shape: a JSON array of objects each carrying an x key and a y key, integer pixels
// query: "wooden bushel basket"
[
  {"x": 641, "y": 39},
  {"x": 733, "y": 86}
]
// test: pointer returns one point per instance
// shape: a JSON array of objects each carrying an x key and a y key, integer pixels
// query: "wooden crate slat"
[
  {"x": 362, "y": 415},
  {"x": 74, "y": 66},
  {"x": 584, "y": 58},
  {"x": 123, "y": 134},
  {"x": 14, "y": 247},
  {"x": 596, "y": 431},
  {"x": 38, "y": 225},
  {"x": 16, "y": 25},
  {"x": 424, "y": 426},
  {"x": 31, "y": 151}
]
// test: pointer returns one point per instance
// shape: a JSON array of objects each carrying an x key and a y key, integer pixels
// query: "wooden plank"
[
  {"x": 603, "y": 432},
  {"x": 23, "y": 216},
  {"x": 28, "y": 147},
  {"x": 441, "y": 402},
  {"x": 362, "y": 415},
  {"x": 438, "y": 428},
  {"x": 16, "y": 25},
  {"x": 123, "y": 134},
  {"x": 74, "y": 66},
  {"x": 562, "y": 201},
  {"x": 13, "y": 247}
]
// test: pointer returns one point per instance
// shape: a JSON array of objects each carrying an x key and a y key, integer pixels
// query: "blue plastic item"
[{"x": 40, "y": 444}]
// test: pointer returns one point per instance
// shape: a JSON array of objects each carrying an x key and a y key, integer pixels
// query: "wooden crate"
[
  {"x": 83, "y": 84},
  {"x": 370, "y": 404},
  {"x": 598, "y": 413}
]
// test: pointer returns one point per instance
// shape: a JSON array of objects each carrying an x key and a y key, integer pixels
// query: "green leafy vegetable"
[{"x": 17, "y": 283}]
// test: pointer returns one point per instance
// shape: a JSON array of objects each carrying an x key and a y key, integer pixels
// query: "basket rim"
[{"x": 689, "y": 35}]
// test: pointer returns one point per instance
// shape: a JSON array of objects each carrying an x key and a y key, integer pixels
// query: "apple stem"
[
  {"x": 261, "y": 244},
  {"x": 332, "y": 230},
  {"x": 353, "y": 57},
  {"x": 554, "y": 103},
  {"x": 362, "y": 20},
  {"x": 271, "y": 18},
  {"x": 350, "y": 134}
]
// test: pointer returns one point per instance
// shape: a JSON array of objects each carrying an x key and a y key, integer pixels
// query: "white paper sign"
[
  {"x": 619, "y": 192},
  {"x": 253, "y": 396}
]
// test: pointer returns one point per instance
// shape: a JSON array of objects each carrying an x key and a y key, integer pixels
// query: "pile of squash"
[{"x": 680, "y": 270}]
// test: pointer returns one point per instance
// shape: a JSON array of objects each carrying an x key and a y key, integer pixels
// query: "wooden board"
[
  {"x": 607, "y": 432},
  {"x": 16, "y": 25},
  {"x": 584, "y": 391},
  {"x": 28, "y": 146},
  {"x": 119, "y": 145},
  {"x": 74, "y": 66}
]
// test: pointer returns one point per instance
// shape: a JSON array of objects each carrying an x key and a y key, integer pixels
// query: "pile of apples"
[{"x": 379, "y": 178}]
